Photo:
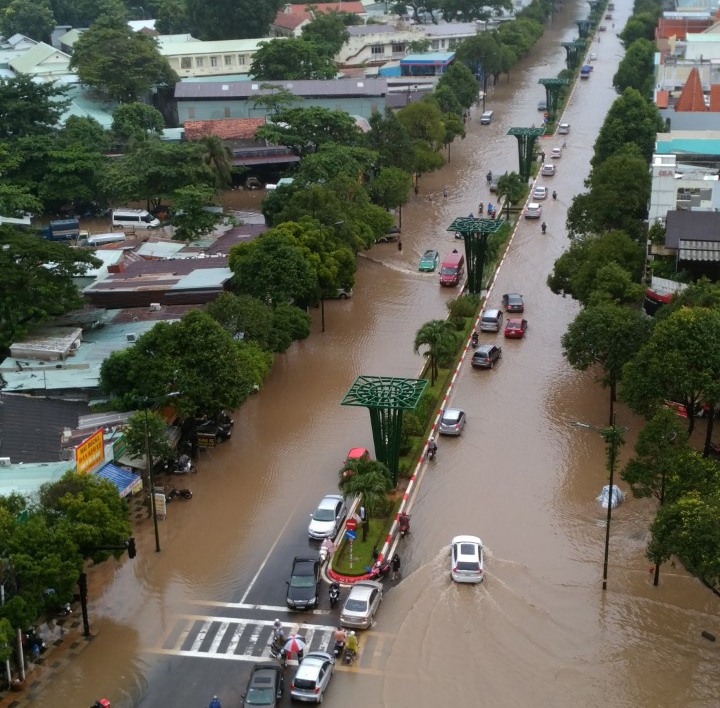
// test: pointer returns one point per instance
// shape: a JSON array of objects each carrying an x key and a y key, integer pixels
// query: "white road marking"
[
  {"x": 246, "y": 606},
  {"x": 219, "y": 637},
  {"x": 200, "y": 636}
]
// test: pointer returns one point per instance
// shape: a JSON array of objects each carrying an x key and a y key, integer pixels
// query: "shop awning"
[
  {"x": 699, "y": 250},
  {"x": 126, "y": 481}
]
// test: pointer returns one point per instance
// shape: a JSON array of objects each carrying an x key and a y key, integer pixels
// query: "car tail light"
[
  {"x": 317, "y": 690},
  {"x": 292, "y": 686},
  {"x": 455, "y": 569}
]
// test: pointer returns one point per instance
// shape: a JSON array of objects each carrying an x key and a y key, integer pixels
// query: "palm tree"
[
  {"x": 368, "y": 478},
  {"x": 439, "y": 337},
  {"x": 218, "y": 157},
  {"x": 511, "y": 187}
]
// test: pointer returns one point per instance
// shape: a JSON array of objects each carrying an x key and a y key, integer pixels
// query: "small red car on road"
[{"x": 515, "y": 328}]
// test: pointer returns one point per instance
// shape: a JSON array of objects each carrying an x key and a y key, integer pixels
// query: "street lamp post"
[
  {"x": 613, "y": 437},
  {"x": 148, "y": 463}
]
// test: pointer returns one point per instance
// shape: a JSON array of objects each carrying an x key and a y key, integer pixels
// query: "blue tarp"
[{"x": 124, "y": 480}]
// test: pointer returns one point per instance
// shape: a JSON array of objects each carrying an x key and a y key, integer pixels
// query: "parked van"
[
  {"x": 101, "y": 239},
  {"x": 491, "y": 321},
  {"x": 452, "y": 269},
  {"x": 486, "y": 118},
  {"x": 134, "y": 219}
]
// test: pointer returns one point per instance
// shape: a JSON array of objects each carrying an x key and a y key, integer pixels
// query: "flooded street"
[{"x": 539, "y": 630}]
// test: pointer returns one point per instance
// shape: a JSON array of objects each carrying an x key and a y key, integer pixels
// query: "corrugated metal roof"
[
  {"x": 203, "y": 278},
  {"x": 123, "y": 479},
  {"x": 428, "y": 58},
  {"x": 27, "y": 479},
  {"x": 175, "y": 48},
  {"x": 159, "y": 249},
  {"x": 245, "y": 89},
  {"x": 681, "y": 225},
  {"x": 29, "y": 62}
]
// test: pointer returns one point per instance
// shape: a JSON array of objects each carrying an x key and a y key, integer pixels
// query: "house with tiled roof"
[
  {"x": 290, "y": 20},
  {"x": 237, "y": 130},
  {"x": 694, "y": 106}
]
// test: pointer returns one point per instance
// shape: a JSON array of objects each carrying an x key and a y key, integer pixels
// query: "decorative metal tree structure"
[
  {"x": 526, "y": 138},
  {"x": 571, "y": 60},
  {"x": 553, "y": 87},
  {"x": 583, "y": 27},
  {"x": 475, "y": 232},
  {"x": 386, "y": 398},
  {"x": 594, "y": 4}
]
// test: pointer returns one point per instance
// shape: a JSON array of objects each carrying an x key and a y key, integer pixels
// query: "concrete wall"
[{"x": 241, "y": 108}]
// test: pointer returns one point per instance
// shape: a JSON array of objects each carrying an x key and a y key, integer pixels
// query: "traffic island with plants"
[{"x": 442, "y": 343}]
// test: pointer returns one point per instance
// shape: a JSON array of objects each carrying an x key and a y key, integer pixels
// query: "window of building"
[
  {"x": 199, "y": 62},
  {"x": 452, "y": 43},
  {"x": 213, "y": 61},
  {"x": 191, "y": 113},
  {"x": 398, "y": 47},
  {"x": 227, "y": 111},
  {"x": 241, "y": 59},
  {"x": 228, "y": 59},
  {"x": 185, "y": 63},
  {"x": 377, "y": 49},
  {"x": 435, "y": 45}
]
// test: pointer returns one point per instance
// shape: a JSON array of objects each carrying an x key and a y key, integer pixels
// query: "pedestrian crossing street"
[{"x": 238, "y": 639}]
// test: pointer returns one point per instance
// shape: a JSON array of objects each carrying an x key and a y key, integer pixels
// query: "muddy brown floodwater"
[{"x": 539, "y": 631}]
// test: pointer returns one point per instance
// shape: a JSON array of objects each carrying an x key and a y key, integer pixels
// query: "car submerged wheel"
[{"x": 343, "y": 296}]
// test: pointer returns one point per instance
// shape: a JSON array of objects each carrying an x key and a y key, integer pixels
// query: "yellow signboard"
[{"x": 90, "y": 453}]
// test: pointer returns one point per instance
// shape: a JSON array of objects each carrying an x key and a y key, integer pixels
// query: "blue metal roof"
[
  {"x": 431, "y": 58},
  {"x": 124, "y": 480}
]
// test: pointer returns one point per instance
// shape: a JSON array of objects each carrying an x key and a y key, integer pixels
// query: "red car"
[
  {"x": 515, "y": 328},
  {"x": 356, "y": 454}
]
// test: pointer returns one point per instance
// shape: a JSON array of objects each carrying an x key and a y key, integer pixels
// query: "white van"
[
  {"x": 101, "y": 239},
  {"x": 486, "y": 118},
  {"x": 134, "y": 219}
]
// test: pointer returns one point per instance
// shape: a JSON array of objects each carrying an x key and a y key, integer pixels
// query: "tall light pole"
[
  {"x": 613, "y": 437},
  {"x": 148, "y": 463}
]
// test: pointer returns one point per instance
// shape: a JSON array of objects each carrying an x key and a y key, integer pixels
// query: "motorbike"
[
  {"x": 334, "y": 594},
  {"x": 474, "y": 340},
  {"x": 338, "y": 649},
  {"x": 432, "y": 451},
  {"x": 543, "y": 227},
  {"x": 348, "y": 657},
  {"x": 178, "y": 494},
  {"x": 183, "y": 465},
  {"x": 380, "y": 570},
  {"x": 277, "y": 652},
  {"x": 34, "y": 642},
  {"x": 102, "y": 703},
  {"x": 554, "y": 195},
  {"x": 404, "y": 528}
]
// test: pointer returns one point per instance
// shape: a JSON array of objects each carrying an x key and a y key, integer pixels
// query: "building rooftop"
[
  {"x": 449, "y": 29},
  {"x": 159, "y": 249},
  {"x": 337, "y": 88},
  {"x": 290, "y": 20},
  {"x": 682, "y": 225},
  {"x": 27, "y": 479},
  {"x": 70, "y": 37},
  {"x": 679, "y": 27},
  {"x": 349, "y": 7},
  {"x": 226, "y": 129},
  {"x": 237, "y": 234},
  {"x": 37, "y": 61},
  {"x": 362, "y": 30},
  {"x": 188, "y": 48},
  {"x": 31, "y": 427},
  {"x": 692, "y": 99},
  {"x": 428, "y": 58},
  {"x": 692, "y": 142}
]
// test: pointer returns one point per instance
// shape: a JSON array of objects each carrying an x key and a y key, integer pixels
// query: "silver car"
[
  {"x": 328, "y": 517},
  {"x": 312, "y": 677},
  {"x": 466, "y": 559},
  {"x": 452, "y": 422},
  {"x": 362, "y": 604}
]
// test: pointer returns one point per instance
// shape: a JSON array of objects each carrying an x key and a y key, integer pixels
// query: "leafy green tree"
[
  {"x": 82, "y": 13},
  {"x": 425, "y": 158},
  {"x": 689, "y": 528},
  {"x": 619, "y": 193},
  {"x": 219, "y": 159},
  {"x": 447, "y": 100},
  {"x": 454, "y": 127},
  {"x": 390, "y": 139},
  {"x": 16, "y": 201},
  {"x": 135, "y": 122},
  {"x": 439, "y": 338},
  {"x": 291, "y": 59},
  {"x": 469, "y": 10},
  {"x": 85, "y": 132},
  {"x": 418, "y": 46},
  {"x": 631, "y": 119},
  {"x": 29, "y": 108},
  {"x": 576, "y": 270},
  {"x": 520, "y": 36},
  {"x": 134, "y": 435},
  {"x": 71, "y": 176},
  {"x": 639, "y": 26},
  {"x": 31, "y": 290},
  {"x": 636, "y": 70},
  {"x": 423, "y": 121},
  {"x": 277, "y": 101},
  {"x": 118, "y": 62},
  {"x": 482, "y": 50},
  {"x": 328, "y": 31},
  {"x": 231, "y": 19},
  {"x": 303, "y": 130},
  {"x": 194, "y": 356},
  {"x": 256, "y": 362},
  {"x": 33, "y": 18},
  {"x": 371, "y": 480},
  {"x": 90, "y": 510},
  {"x": 191, "y": 218},
  {"x": 462, "y": 82},
  {"x": 390, "y": 188},
  {"x": 244, "y": 317},
  {"x": 155, "y": 171},
  {"x": 171, "y": 17},
  {"x": 290, "y": 323},
  {"x": 273, "y": 268},
  {"x": 606, "y": 336},
  {"x": 614, "y": 284},
  {"x": 511, "y": 187},
  {"x": 680, "y": 362},
  {"x": 332, "y": 160},
  {"x": 701, "y": 293}
]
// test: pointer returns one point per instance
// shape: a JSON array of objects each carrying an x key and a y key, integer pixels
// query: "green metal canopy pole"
[
  {"x": 553, "y": 87},
  {"x": 475, "y": 233},
  {"x": 571, "y": 60},
  {"x": 386, "y": 398},
  {"x": 583, "y": 27},
  {"x": 526, "y": 138}
]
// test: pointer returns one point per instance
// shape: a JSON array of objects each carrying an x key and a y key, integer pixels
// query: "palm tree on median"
[
  {"x": 440, "y": 339},
  {"x": 371, "y": 480},
  {"x": 511, "y": 187}
]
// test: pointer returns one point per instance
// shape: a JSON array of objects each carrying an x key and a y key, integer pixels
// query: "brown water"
[{"x": 540, "y": 630}]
